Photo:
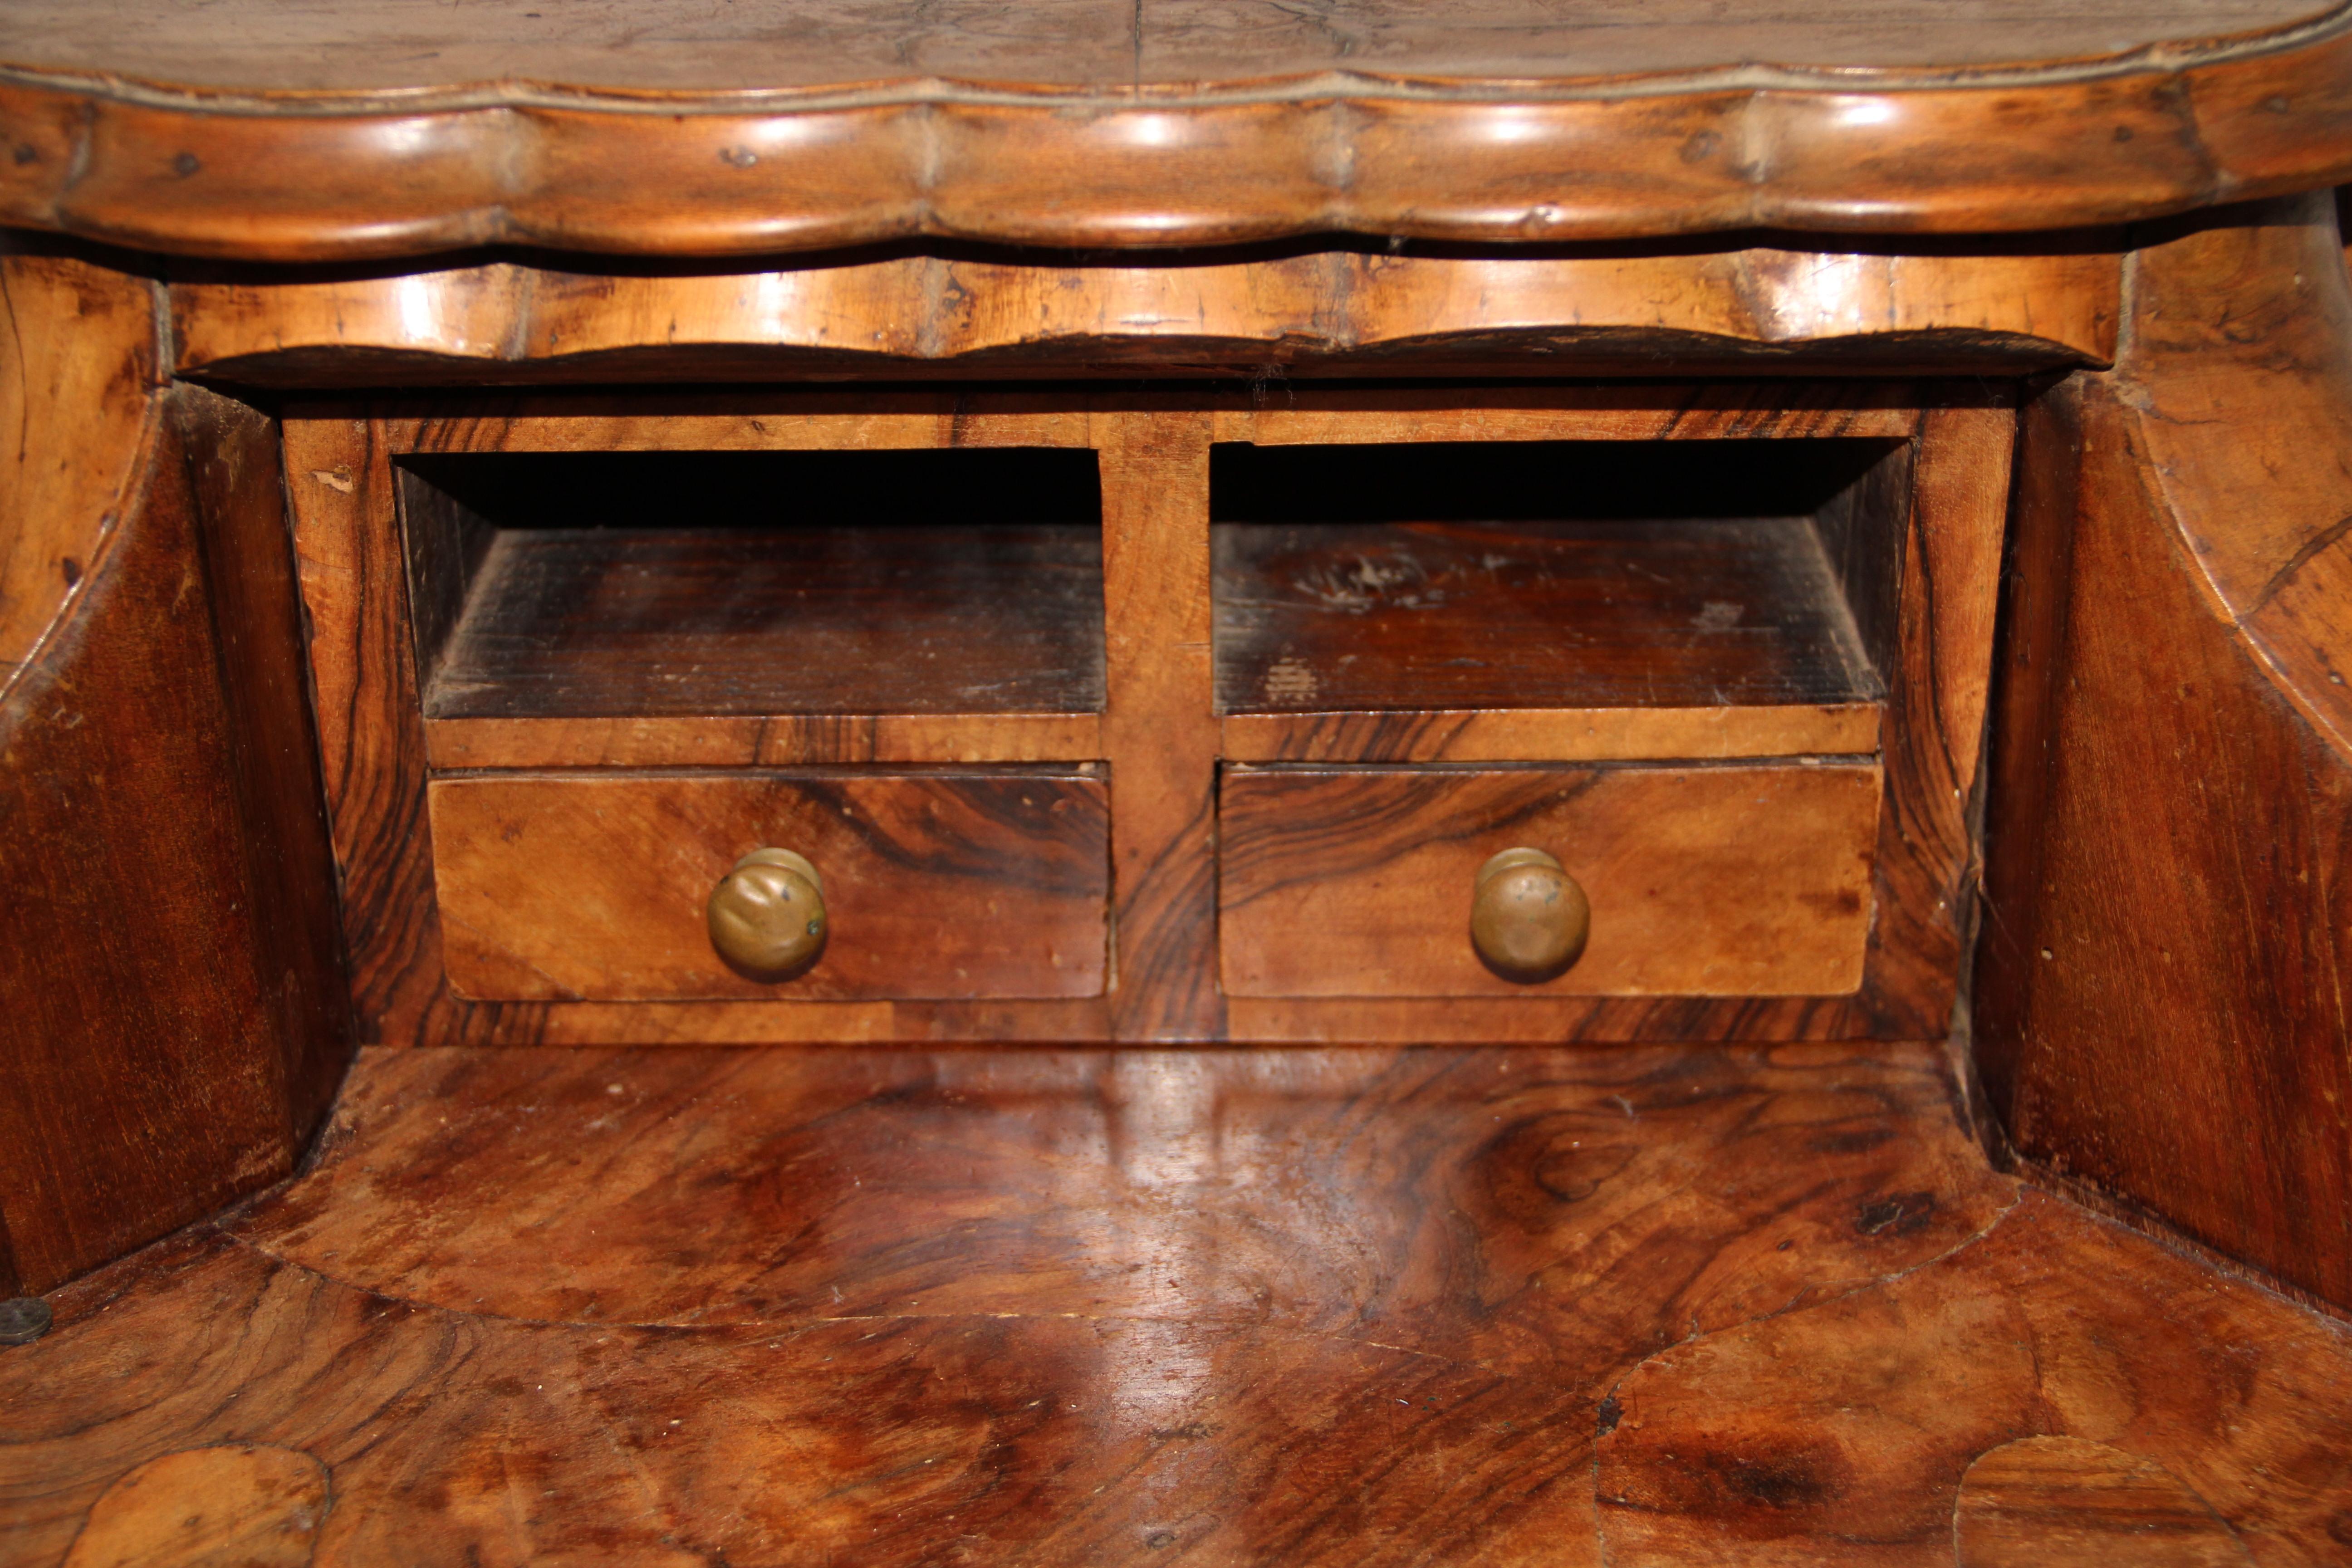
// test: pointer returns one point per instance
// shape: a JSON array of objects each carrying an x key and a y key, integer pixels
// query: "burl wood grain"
[
  {"x": 1749, "y": 310},
  {"x": 665, "y": 129},
  {"x": 2069, "y": 1502},
  {"x": 2161, "y": 1011},
  {"x": 243, "y": 1505},
  {"x": 1223, "y": 1307},
  {"x": 1721, "y": 881},
  {"x": 1846, "y": 1434},
  {"x": 586, "y": 889},
  {"x": 1159, "y": 728}
]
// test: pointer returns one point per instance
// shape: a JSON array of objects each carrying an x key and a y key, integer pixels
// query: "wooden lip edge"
[
  {"x": 294, "y": 366},
  {"x": 751, "y": 742},
  {"x": 1559, "y": 734},
  {"x": 1420, "y": 166}
]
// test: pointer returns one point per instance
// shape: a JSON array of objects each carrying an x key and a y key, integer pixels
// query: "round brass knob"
[
  {"x": 767, "y": 915},
  {"x": 1528, "y": 918}
]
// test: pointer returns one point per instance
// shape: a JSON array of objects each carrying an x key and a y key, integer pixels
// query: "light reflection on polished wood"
[
  {"x": 505, "y": 321},
  {"x": 78, "y": 409},
  {"x": 1679, "y": 1307}
]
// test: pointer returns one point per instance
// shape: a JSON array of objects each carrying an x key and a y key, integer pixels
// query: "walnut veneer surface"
[
  {"x": 1658, "y": 1305},
  {"x": 255, "y": 130}
]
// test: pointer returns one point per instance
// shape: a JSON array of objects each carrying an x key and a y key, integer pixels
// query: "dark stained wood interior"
[
  {"x": 1574, "y": 575},
  {"x": 177, "y": 1018},
  {"x": 1541, "y": 1309},
  {"x": 2160, "y": 1013},
  {"x": 591, "y": 585}
]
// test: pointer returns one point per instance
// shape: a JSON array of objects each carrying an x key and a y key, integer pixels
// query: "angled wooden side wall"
[
  {"x": 2162, "y": 1014},
  {"x": 171, "y": 1012}
]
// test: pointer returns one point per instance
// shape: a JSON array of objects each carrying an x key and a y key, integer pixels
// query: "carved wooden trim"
[
  {"x": 341, "y": 174},
  {"x": 1546, "y": 313}
]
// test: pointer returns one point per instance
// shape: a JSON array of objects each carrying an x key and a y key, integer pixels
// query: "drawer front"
[
  {"x": 1704, "y": 882},
  {"x": 936, "y": 886}
]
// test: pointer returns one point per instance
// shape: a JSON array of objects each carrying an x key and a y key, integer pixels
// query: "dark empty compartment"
[
  {"x": 616, "y": 583},
  {"x": 1555, "y": 574}
]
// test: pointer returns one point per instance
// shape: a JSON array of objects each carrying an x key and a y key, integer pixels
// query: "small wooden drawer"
[
  {"x": 936, "y": 886},
  {"x": 1703, "y": 882}
]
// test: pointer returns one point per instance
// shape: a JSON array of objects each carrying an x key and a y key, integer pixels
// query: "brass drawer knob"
[
  {"x": 767, "y": 915},
  {"x": 1528, "y": 918}
]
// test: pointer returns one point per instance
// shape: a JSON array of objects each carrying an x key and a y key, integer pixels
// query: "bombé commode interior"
[{"x": 1351, "y": 785}]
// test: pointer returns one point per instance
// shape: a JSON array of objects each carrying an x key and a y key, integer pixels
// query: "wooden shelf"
[
  {"x": 1588, "y": 599},
  {"x": 557, "y": 588}
]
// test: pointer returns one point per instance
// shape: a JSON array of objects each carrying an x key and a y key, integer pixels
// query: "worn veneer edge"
[
  {"x": 1554, "y": 734},
  {"x": 794, "y": 740}
]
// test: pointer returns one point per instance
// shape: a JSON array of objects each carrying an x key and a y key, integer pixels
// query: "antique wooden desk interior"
[{"x": 855, "y": 781}]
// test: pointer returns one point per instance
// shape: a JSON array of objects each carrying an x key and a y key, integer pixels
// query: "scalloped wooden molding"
[{"x": 345, "y": 175}]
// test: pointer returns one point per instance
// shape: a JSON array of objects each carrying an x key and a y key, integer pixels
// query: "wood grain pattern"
[
  {"x": 1315, "y": 1308},
  {"x": 1160, "y": 733},
  {"x": 78, "y": 351},
  {"x": 580, "y": 623},
  {"x": 2159, "y": 1011},
  {"x": 780, "y": 739},
  {"x": 2069, "y": 1502},
  {"x": 1587, "y": 411},
  {"x": 1554, "y": 734},
  {"x": 1159, "y": 728},
  {"x": 176, "y": 1022},
  {"x": 232, "y": 1506},
  {"x": 1938, "y": 691},
  {"x": 569, "y": 887},
  {"x": 343, "y": 491},
  {"x": 1748, "y": 310},
  {"x": 1679, "y": 613},
  {"x": 577, "y": 584},
  {"x": 1844, "y": 1435},
  {"x": 658, "y": 46},
  {"x": 1704, "y": 881},
  {"x": 1109, "y": 137}
]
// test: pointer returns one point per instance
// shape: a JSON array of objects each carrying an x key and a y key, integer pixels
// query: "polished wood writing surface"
[{"x": 1544, "y": 1308}]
